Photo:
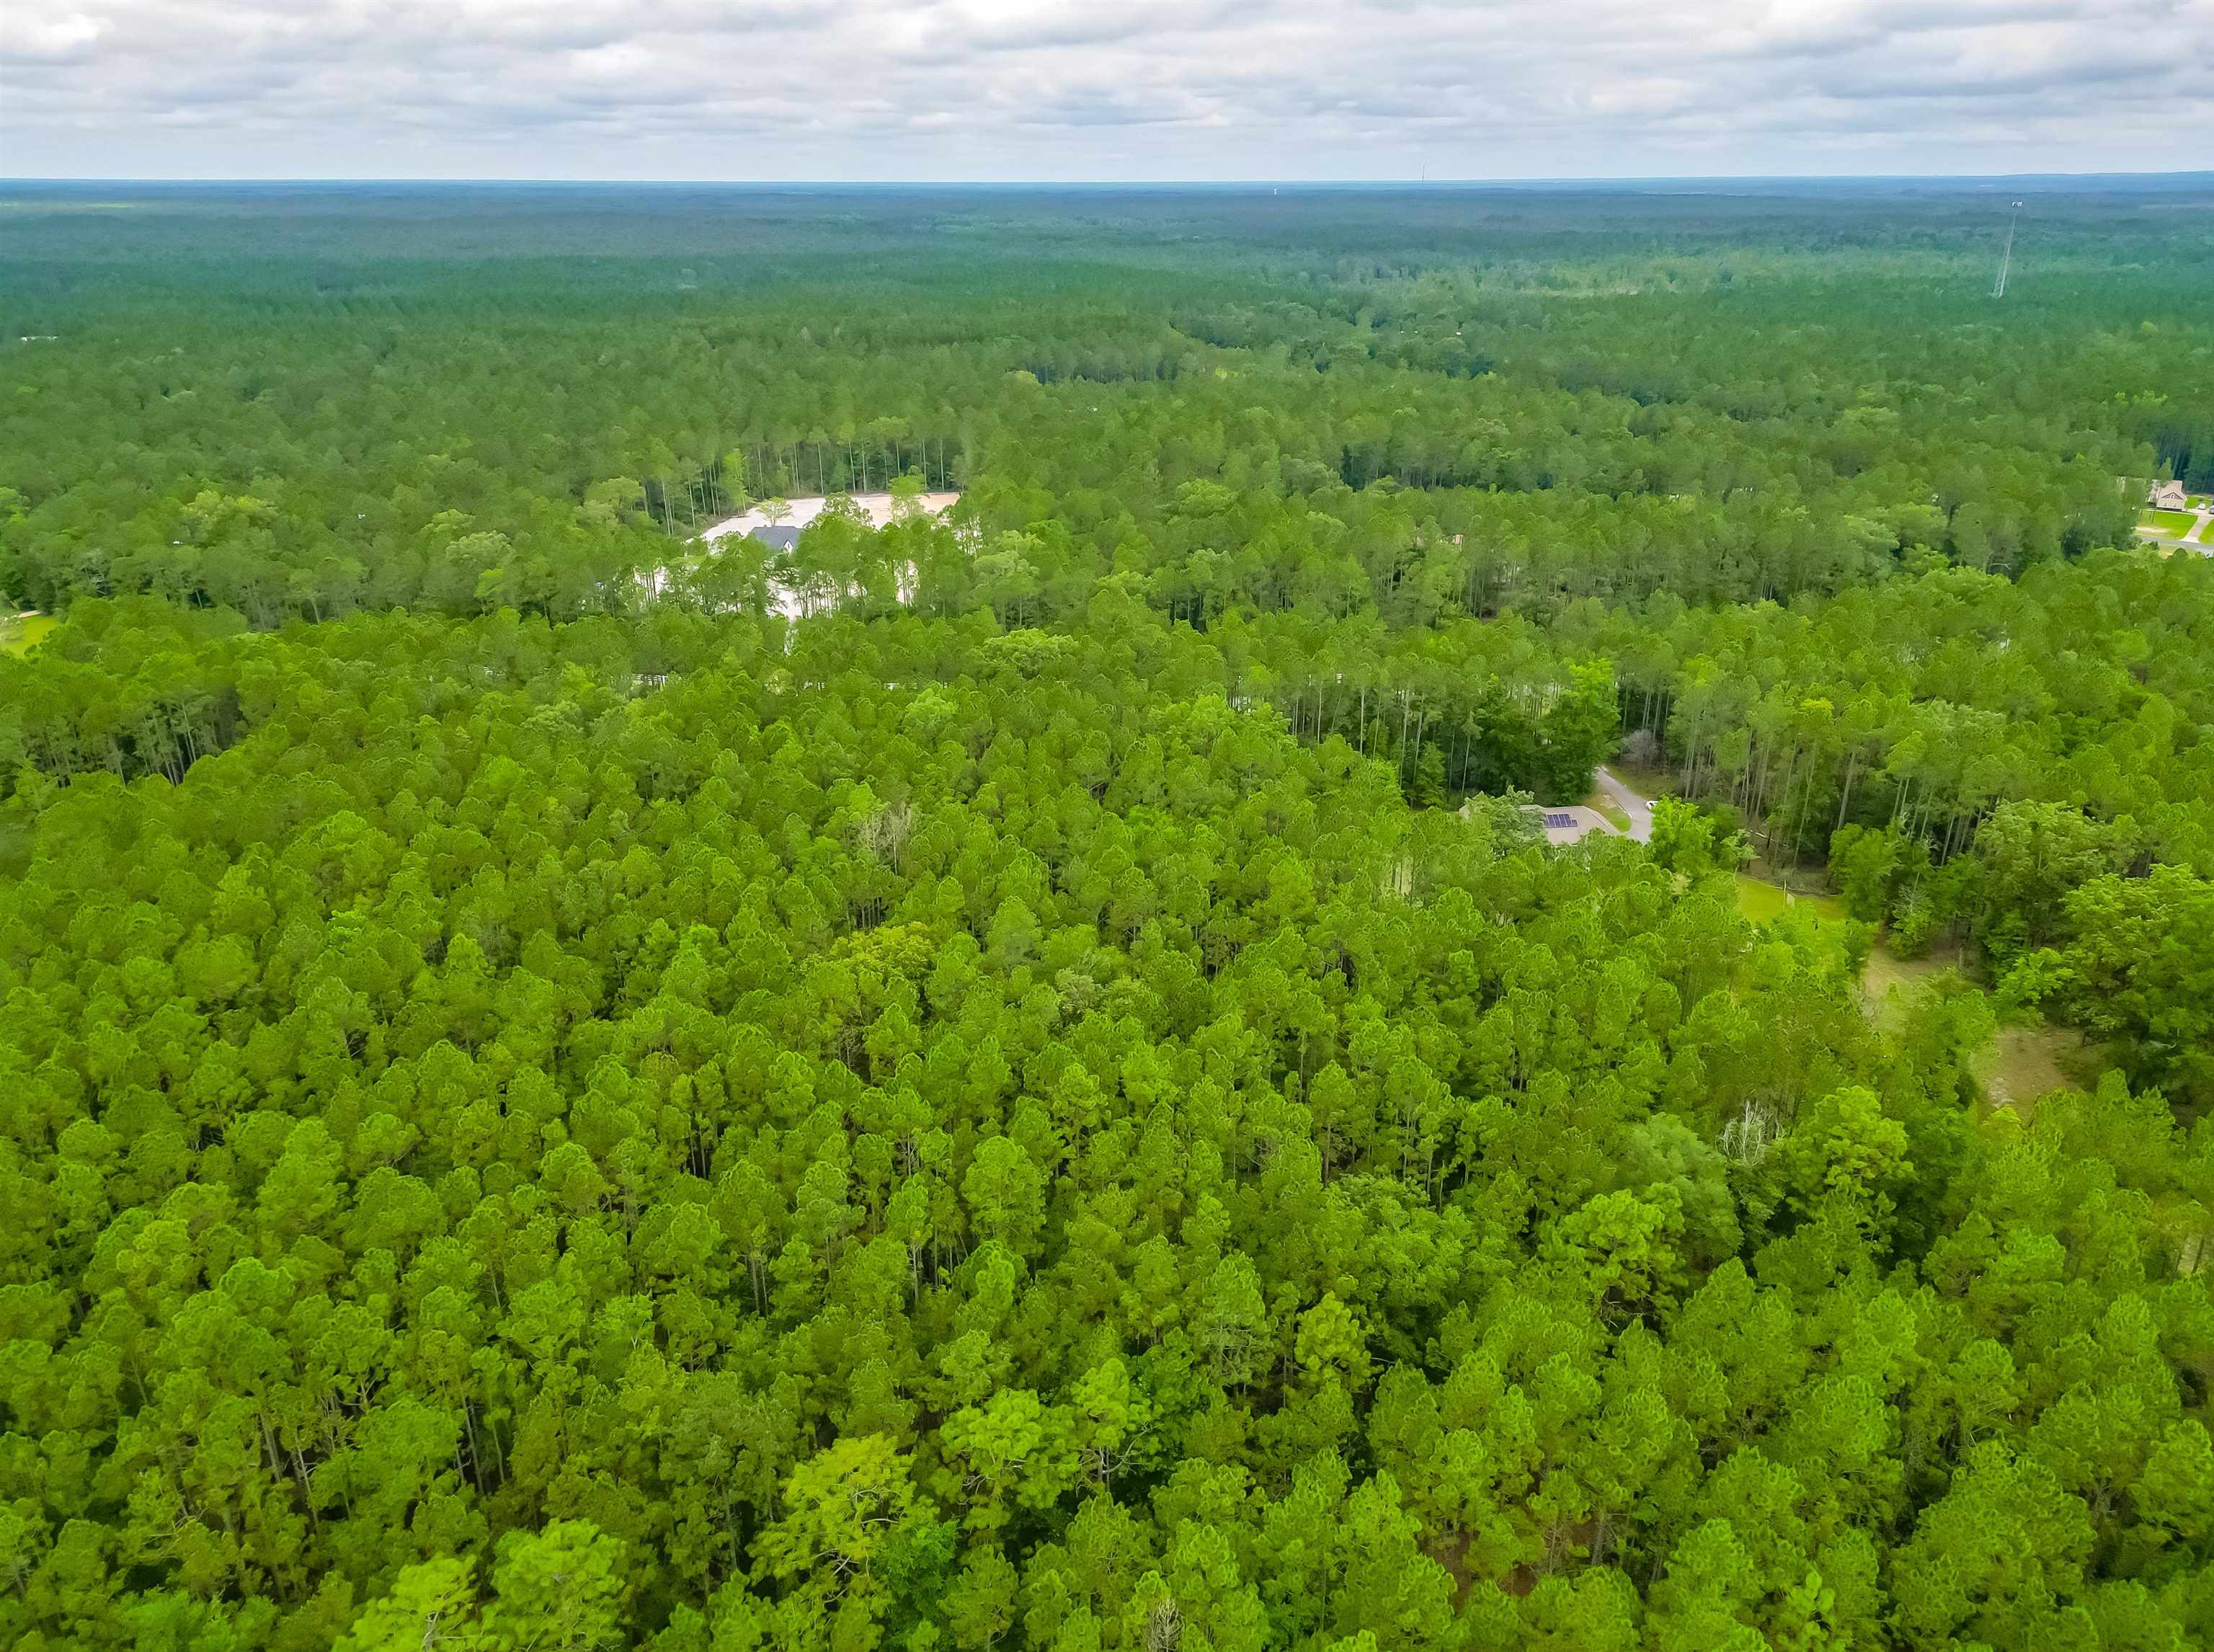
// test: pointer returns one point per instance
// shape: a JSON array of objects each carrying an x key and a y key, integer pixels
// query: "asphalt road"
[{"x": 1636, "y": 807}]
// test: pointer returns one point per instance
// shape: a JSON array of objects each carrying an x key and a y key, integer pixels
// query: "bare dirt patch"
[{"x": 2025, "y": 1064}]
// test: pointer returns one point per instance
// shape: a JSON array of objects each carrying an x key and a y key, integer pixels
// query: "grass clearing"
[
  {"x": 2170, "y": 524},
  {"x": 1607, "y": 812},
  {"x": 20, "y": 633},
  {"x": 1762, "y": 901},
  {"x": 2022, "y": 1064},
  {"x": 1886, "y": 970}
]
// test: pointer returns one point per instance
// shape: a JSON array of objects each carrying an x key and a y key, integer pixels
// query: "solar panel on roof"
[{"x": 1558, "y": 821}]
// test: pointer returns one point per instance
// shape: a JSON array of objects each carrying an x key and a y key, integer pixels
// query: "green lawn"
[
  {"x": 1613, "y": 817},
  {"x": 1763, "y": 902},
  {"x": 2173, "y": 524},
  {"x": 1886, "y": 971},
  {"x": 1646, "y": 782},
  {"x": 18, "y": 635}
]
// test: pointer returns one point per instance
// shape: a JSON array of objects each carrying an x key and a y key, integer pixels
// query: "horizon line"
[{"x": 1519, "y": 180}]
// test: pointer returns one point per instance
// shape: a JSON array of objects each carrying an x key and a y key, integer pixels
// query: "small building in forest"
[
  {"x": 1563, "y": 824},
  {"x": 2167, "y": 496}
]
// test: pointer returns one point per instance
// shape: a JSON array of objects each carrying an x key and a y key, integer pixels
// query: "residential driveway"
[
  {"x": 2198, "y": 537},
  {"x": 1639, "y": 810}
]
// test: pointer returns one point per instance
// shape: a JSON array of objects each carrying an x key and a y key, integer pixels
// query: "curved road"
[{"x": 1631, "y": 803}]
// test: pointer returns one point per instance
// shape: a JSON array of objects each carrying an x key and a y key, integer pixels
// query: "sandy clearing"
[
  {"x": 804, "y": 509},
  {"x": 785, "y": 600}
]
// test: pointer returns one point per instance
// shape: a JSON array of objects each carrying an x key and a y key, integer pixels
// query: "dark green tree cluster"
[{"x": 1032, "y": 1153}]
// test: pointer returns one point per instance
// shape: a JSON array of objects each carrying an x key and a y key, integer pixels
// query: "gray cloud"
[{"x": 1077, "y": 89}]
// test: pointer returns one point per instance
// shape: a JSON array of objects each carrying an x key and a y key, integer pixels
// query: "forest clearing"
[
  {"x": 879, "y": 509},
  {"x": 1764, "y": 902},
  {"x": 20, "y": 633},
  {"x": 2019, "y": 1063},
  {"x": 748, "y": 558}
]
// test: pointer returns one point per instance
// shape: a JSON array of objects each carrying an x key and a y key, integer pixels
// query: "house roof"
[{"x": 780, "y": 538}]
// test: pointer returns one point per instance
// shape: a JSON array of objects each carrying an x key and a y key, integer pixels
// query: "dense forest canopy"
[{"x": 1025, "y": 1078}]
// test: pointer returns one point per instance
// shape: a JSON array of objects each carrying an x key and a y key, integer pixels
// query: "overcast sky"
[{"x": 977, "y": 89}]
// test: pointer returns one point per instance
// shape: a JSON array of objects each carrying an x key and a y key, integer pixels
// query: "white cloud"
[
  {"x": 866, "y": 90},
  {"x": 49, "y": 38}
]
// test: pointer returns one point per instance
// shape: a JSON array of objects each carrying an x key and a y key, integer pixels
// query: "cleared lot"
[{"x": 804, "y": 509}]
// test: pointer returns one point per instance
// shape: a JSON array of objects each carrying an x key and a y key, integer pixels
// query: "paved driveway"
[
  {"x": 2198, "y": 537},
  {"x": 1639, "y": 810}
]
